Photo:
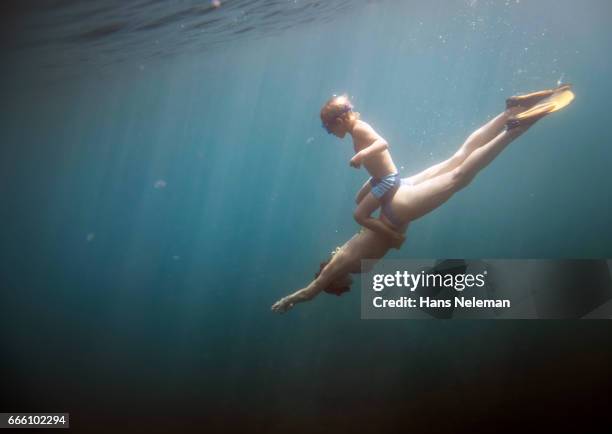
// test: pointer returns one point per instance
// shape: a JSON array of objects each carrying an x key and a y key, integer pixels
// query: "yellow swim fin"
[
  {"x": 555, "y": 102},
  {"x": 530, "y": 99}
]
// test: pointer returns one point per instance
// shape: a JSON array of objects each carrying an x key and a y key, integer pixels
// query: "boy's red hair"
[{"x": 338, "y": 106}]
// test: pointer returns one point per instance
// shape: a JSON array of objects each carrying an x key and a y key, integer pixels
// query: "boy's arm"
[
  {"x": 377, "y": 144},
  {"x": 363, "y": 192}
]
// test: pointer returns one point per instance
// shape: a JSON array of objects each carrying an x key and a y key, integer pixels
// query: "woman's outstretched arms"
[
  {"x": 347, "y": 259},
  {"x": 338, "y": 268}
]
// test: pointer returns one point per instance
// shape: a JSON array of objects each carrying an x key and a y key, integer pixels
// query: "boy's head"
[{"x": 337, "y": 115}]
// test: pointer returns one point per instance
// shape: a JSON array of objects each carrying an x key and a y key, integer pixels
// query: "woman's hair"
[
  {"x": 338, "y": 286},
  {"x": 338, "y": 107}
]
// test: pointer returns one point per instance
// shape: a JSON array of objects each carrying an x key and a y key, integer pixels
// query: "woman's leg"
[
  {"x": 478, "y": 138},
  {"x": 415, "y": 201}
]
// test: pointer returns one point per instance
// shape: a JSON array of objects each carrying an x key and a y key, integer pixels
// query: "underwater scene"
[{"x": 166, "y": 178}]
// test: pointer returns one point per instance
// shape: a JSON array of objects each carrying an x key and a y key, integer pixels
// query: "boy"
[{"x": 372, "y": 151}]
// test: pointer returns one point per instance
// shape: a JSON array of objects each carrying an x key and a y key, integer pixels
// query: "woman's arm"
[
  {"x": 338, "y": 267},
  {"x": 364, "y": 245}
]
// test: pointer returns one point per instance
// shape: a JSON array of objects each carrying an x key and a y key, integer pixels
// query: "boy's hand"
[{"x": 356, "y": 161}]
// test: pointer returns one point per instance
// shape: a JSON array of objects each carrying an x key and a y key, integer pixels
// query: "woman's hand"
[{"x": 282, "y": 305}]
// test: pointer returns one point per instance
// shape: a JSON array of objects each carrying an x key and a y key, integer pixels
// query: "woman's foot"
[
  {"x": 527, "y": 121},
  {"x": 531, "y": 99},
  {"x": 559, "y": 99}
]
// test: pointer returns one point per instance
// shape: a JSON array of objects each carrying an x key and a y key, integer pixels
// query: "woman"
[{"x": 424, "y": 192}]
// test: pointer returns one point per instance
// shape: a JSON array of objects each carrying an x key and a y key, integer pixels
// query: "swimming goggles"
[{"x": 347, "y": 108}]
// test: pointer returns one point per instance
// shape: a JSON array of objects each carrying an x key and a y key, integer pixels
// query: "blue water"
[{"x": 162, "y": 188}]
